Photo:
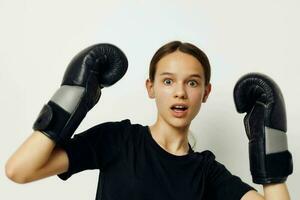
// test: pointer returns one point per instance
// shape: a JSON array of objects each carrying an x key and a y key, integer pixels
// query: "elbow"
[{"x": 13, "y": 175}]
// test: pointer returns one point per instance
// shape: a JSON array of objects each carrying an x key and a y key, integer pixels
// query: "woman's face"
[{"x": 179, "y": 79}]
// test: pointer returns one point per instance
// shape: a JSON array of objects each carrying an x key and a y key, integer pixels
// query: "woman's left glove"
[{"x": 265, "y": 123}]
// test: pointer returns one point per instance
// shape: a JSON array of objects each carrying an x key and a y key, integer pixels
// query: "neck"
[{"x": 172, "y": 139}]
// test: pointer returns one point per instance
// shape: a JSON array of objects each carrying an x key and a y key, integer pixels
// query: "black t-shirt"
[{"x": 134, "y": 167}]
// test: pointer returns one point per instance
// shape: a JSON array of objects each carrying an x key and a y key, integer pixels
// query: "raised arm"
[
  {"x": 41, "y": 154},
  {"x": 266, "y": 126},
  {"x": 36, "y": 158}
]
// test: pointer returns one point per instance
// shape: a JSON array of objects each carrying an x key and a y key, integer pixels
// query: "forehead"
[{"x": 179, "y": 63}]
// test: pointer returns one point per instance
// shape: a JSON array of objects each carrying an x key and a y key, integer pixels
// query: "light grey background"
[{"x": 39, "y": 38}]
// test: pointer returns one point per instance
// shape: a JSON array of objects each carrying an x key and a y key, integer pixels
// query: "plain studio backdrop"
[{"x": 39, "y": 38}]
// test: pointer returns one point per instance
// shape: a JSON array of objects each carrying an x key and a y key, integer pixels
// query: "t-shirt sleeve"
[
  {"x": 222, "y": 184},
  {"x": 95, "y": 148}
]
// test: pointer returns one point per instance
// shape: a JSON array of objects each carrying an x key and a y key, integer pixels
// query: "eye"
[
  {"x": 194, "y": 83},
  {"x": 167, "y": 81}
]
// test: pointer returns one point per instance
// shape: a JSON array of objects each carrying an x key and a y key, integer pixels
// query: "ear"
[
  {"x": 206, "y": 92},
  {"x": 149, "y": 86}
]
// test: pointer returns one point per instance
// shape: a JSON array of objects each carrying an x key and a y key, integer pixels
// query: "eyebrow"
[{"x": 192, "y": 75}]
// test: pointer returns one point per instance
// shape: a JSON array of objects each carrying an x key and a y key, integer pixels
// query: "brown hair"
[{"x": 183, "y": 47}]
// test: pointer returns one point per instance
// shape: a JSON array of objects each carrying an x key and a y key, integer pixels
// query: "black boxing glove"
[
  {"x": 93, "y": 68},
  {"x": 265, "y": 124}
]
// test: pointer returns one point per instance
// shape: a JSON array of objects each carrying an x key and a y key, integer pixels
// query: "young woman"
[{"x": 140, "y": 161}]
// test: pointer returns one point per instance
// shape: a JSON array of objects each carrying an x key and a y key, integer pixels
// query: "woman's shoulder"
[
  {"x": 119, "y": 126},
  {"x": 206, "y": 157},
  {"x": 206, "y": 154},
  {"x": 124, "y": 122},
  {"x": 113, "y": 123}
]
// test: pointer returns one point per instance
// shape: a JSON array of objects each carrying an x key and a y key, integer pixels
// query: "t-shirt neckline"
[{"x": 165, "y": 153}]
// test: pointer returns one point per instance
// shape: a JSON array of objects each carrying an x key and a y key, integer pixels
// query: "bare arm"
[
  {"x": 276, "y": 191},
  {"x": 271, "y": 192},
  {"x": 36, "y": 158}
]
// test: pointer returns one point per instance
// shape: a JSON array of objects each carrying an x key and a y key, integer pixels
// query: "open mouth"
[{"x": 179, "y": 108}]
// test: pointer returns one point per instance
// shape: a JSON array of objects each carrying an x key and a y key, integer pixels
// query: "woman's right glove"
[{"x": 93, "y": 68}]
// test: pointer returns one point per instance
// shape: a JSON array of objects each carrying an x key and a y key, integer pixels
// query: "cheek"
[
  {"x": 162, "y": 97},
  {"x": 162, "y": 92},
  {"x": 196, "y": 97}
]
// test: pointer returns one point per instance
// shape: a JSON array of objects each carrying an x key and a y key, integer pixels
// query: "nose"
[{"x": 180, "y": 91}]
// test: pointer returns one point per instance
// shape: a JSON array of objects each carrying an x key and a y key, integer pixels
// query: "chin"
[{"x": 180, "y": 122}]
